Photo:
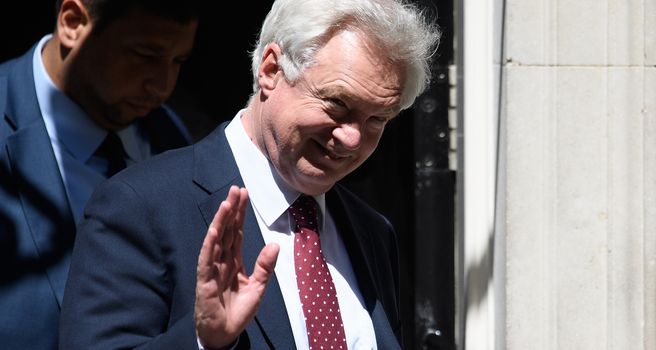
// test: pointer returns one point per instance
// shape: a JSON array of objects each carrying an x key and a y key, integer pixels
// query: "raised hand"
[{"x": 226, "y": 298}]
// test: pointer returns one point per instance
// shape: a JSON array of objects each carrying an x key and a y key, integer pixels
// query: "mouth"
[
  {"x": 331, "y": 155},
  {"x": 141, "y": 108}
]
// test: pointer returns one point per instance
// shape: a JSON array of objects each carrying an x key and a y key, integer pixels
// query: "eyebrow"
[
  {"x": 333, "y": 91},
  {"x": 159, "y": 50},
  {"x": 340, "y": 92},
  {"x": 153, "y": 48}
]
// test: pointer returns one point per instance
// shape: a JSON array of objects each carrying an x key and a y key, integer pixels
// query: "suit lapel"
[
  {"x": 215, "y": 170},
  {"x": 35, "y": 171},
  {"x": 356, "y": 240}
]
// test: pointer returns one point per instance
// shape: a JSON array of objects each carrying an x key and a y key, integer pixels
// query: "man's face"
[
  {"x": 130, "y": 67},
  {"x": 328, "y": 123}
]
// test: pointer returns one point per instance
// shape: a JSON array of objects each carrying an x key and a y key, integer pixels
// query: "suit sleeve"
[{"x": 118, "y": 294}]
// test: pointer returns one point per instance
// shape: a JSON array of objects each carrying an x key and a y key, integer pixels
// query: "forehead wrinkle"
[{"x": 360, "y": 73}]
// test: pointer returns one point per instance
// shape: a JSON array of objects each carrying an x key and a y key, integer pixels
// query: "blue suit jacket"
[
  {"x": 133, "y": 273},
  {"x": 36, "y": 222}
]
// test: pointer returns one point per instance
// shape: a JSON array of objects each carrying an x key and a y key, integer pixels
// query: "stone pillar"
[{"x": 579, "y": 192}]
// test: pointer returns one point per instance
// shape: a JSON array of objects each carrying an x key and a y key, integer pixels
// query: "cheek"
[
  {"x": 109, "y": 91},
  {"x": 289, "y": 143},
  {"x": 286, "y": 128},
  {"x": 124, "y": 73},
  {"x": 370, "y": 141},
  {"x": 110, "y": 80},
  {"x": 276, "y": 140}
]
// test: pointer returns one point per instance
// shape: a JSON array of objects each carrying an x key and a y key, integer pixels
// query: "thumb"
[{"x": 265, "y": 263}]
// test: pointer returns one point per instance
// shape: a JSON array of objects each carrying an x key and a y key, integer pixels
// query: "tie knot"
[
  {"x": 112, "y": 149},
  {"x": 110, "y": 146},
  {"x": 304, "y": 211}
]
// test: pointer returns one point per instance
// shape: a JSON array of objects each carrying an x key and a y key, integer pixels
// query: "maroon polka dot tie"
[{"x": 316, "y": 289}]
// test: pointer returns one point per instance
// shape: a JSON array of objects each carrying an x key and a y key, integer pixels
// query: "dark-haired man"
[{"x": 83, "y": 103}]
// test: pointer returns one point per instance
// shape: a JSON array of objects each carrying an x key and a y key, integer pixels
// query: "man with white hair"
[{"x": 162, "y": 256}]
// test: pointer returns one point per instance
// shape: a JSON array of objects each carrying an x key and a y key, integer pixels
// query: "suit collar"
[
  {"x": 22, "y": 107},
  {"x": 66, "y": 123},
  {"x": 214, "y": 165}
]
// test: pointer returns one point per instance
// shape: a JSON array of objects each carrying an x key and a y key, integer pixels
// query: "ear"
[
  {"x": 73, "y": 23},
  {"x": 270, "y": 71}
]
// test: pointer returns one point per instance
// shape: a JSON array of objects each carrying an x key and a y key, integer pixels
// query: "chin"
[
  {"x": 313, "y": 184},
  {"x": 311, "y": 179},
  {"x": 122, "y": 123}
]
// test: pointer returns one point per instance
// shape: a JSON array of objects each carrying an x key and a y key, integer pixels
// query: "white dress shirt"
[
  {"x": 74, "y": 137},
  {"x": 270, "y": 196}
]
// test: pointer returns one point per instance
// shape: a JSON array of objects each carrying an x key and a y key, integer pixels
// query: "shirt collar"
[
  {"x": 270, "y": 195},
  {"x": 67, "y": 123}
]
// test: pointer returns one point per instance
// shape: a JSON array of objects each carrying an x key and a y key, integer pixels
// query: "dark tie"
[
  {"x": 112, "y": 150},
  {"x": 316, "y": 289}
]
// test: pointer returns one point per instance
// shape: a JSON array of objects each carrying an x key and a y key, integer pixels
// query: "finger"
[
  {"x": 241, "y": 208},
  {"x": 265, "y": 263},
  {"x": 222, "y": 217},
  {"x": 239, "y": 232},
  {"x": 228, "y": 223},
  {"x": 238, "y": 272},
  {"x": 226, "y": 264},
  {"x": 212, "y": 248},
  {"x": 206, "y": 256},
  {"x": 232, "y": 200}
]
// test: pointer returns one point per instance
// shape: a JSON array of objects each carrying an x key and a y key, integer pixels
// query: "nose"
[
  {"x": 161, "y": 80},
  {"x": 348, "y": 136}
]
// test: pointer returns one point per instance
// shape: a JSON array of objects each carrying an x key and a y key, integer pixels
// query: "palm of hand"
[{"x": 226, "y": 298}]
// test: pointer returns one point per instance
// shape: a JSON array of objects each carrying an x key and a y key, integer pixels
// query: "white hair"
[{"x": 302, "y": 27}]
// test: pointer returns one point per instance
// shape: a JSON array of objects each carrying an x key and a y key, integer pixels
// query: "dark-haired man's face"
[{"x": 130, "y": 67}]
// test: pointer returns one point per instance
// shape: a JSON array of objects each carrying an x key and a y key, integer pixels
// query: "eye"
[
  {"x": 377, "y": 124},
  {"x": 335, "y": 107},
  {"x": 335, "y": 102},
  {"x": 181, "y": 60},
  {"x": 143, "y": 55},
  {"x": 379, "y": 120}
]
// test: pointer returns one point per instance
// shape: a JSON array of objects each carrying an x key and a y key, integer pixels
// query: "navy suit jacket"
[
  {"x": 133, "y": 273},
  {"x": 36, "y": 221}
]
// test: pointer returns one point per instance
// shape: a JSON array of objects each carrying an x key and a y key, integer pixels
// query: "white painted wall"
[
  {"x": 479, "y": 49},
  {"x": 579, "y": 179},
  {"x": 563, "y": 254}
]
